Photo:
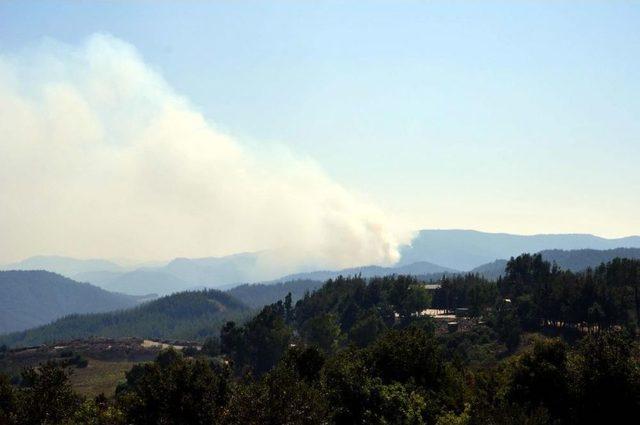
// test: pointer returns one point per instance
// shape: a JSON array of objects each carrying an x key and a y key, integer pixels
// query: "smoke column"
[{"x": 101, "y": 158}]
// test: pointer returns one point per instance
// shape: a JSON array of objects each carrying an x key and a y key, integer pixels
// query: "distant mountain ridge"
[
  {"x": 36, "y": 297},
  {"x": 66, "y": 266},
  {"x": 467, "y": 249},
  {"x": 143, "y": 282},
  {"x": 183, "y": 274},
  {"x": 215, "y": 270},
  {"x": 177, "y": 275},
  {"x": 431, "y": 252}
]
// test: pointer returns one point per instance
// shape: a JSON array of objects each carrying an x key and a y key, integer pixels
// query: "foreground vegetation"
[{"x": 539, "y": 346}]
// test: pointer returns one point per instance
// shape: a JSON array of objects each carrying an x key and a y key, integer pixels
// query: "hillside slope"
[
  {"x": 33, "y": 298},
  {"x": 185, "y": 315}
]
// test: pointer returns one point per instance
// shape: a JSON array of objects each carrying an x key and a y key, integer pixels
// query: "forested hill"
[
  {"x": 33, "y": 298},
  {"x": 574, "y": 260},
  {"x": 185, "y": 315}
]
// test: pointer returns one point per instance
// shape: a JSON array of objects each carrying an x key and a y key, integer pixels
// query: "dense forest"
[{"x": 539, "y": 346}]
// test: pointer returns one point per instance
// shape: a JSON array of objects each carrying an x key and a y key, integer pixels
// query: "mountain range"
[
  {"x": 176, "y": 275},
  {"x": 430, "y": 253},
  {"x": 31, "y": 299},
  {"x": 66, "y": 266}
]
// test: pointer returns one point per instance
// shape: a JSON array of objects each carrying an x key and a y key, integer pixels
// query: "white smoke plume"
[{"x": 99, "y": 157}]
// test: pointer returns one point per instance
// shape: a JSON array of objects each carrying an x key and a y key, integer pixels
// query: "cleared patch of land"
[{"x": 99, "y": 377}]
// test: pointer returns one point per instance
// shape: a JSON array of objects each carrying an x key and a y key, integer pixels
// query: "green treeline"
[{"x": 402, "y": 378}]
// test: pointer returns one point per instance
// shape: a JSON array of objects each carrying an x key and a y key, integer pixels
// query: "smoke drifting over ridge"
[{"x": 101, "y": 158}]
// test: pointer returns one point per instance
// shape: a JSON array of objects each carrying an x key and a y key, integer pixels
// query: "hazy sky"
[{"x": 500, "y": 116}]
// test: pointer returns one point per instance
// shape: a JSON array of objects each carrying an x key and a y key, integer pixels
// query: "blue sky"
[{"x": 499, "y": 116}]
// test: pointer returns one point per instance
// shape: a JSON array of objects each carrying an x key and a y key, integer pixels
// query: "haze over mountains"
[
  {"x": 177, "y": 275},
  {"x": 67, "y": 266},
  {"x": 431, "y": 252}
]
